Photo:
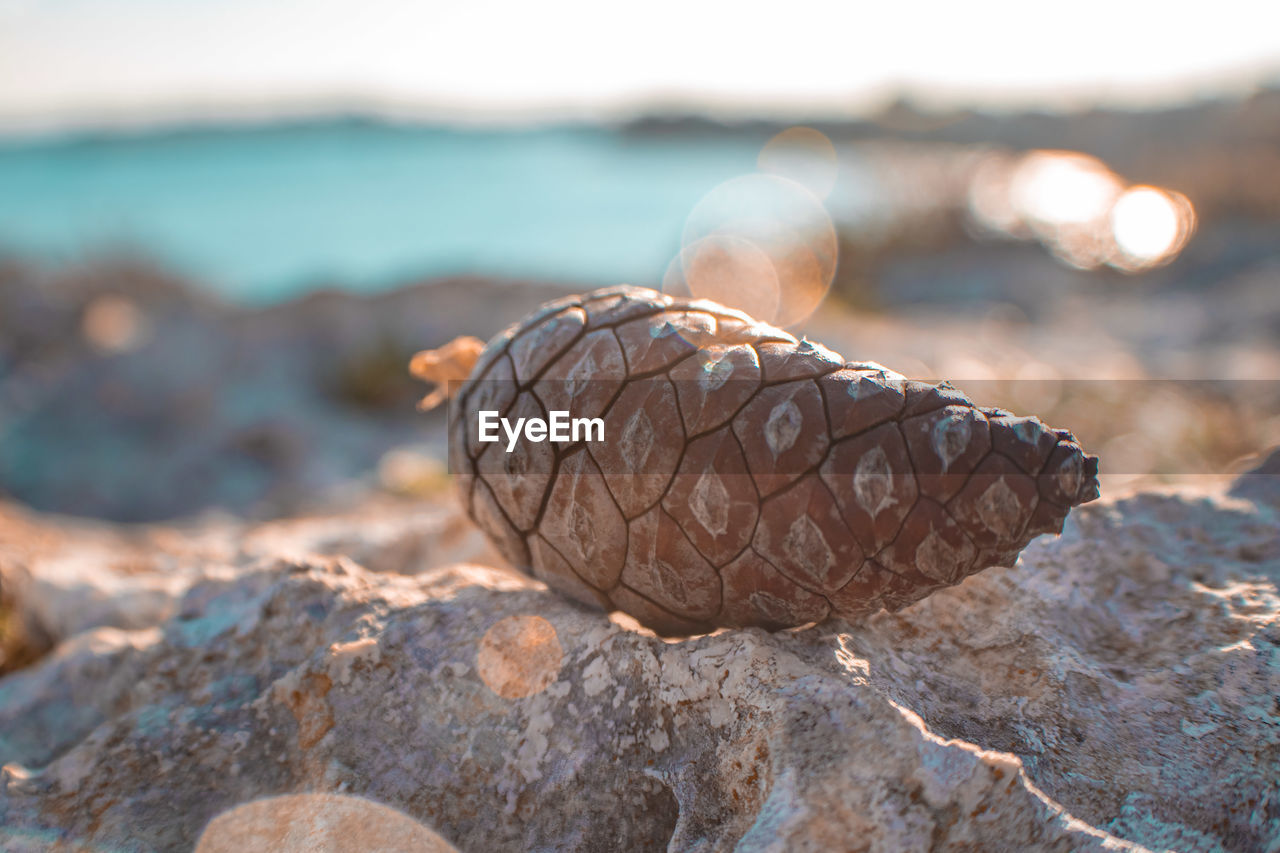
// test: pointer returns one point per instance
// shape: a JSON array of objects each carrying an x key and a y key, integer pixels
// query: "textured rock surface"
[
  {"x": 1117, "y": 687},
  {"x": 71, "y": 575}
]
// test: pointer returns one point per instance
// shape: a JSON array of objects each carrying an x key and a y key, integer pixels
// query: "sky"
[{"x": 86, "y": 61}]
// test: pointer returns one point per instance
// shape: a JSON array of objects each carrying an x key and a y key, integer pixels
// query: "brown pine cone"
[{"x": 743, "y": 477}]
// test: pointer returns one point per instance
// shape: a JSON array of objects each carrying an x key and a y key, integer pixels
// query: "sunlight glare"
[
  {"x": 1151, "y": 225},
  {"x": 762, "y": 243},
  {"x": 1063, "y": 187},
  {"x": 1079, "y": 209}
]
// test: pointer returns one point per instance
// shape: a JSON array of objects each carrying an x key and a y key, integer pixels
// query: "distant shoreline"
[{"x": 885, "y": 111}]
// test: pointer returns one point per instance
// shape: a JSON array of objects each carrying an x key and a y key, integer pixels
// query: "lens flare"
[
  {"x": 114, "y": 324},
  {"x": 803, "y": 155},
  {"x": 1151, "y": 225},
  {"x": 1079, "y": 209},
  {"x": 301, "y": 823},
  {"x": 990, "y": 197},
  {"x": 728, "y": 270},
  {"x": 519, "y": 656},
  {"x": 760, "y": 243},
  {"x": 1063, "y": 188}
]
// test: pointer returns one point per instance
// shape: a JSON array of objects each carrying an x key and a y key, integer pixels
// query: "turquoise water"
[{"x": 259, "y": 214}]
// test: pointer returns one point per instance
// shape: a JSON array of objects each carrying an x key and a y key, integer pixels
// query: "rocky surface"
[
  {"x": 64, "y": 575},
  {"x": 115, "y": 367},
  {"x": 1115, "y": 690}
]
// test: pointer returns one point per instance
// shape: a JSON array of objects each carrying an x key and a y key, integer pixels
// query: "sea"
[{"x": 262, "y": 213}]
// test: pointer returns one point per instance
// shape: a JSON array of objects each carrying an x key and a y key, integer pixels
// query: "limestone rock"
[
  {"x": 64, "y": 576},
  {"x": 1116, "y": 689}
]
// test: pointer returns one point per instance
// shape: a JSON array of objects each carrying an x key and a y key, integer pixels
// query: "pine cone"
[{"x": 743, "y": 477}]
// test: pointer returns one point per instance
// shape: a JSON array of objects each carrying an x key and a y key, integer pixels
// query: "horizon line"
[{"x": 128, "y": 119}]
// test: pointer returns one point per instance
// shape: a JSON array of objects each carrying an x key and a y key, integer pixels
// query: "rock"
[
  {"x": 1262, "y": 483},
  {"x": 262, "y": 411},
  {"x": 71, "y": 575},
  {"x": 1116, "y": 689}
]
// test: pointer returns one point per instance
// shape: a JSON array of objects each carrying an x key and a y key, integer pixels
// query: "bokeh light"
[
  {"x": 114, "y": 324},
  {"x": 1151, "y": 225},
  {"x": 804, "y": 155},
  {"x": 990, "y": 199},
  {"x": 1056, "y": 188},
  {"x": 412, "y": 471},
  {"x": 519, "y": 656},
  {"x": 303, "y": 823},
  {"x": 762, "y": 243},
  {"x": 729, "y": 270},
  {"x": 1079, "y": 209}
]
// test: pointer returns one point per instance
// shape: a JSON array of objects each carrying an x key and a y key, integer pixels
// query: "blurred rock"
[
  {"x": 1262, "y": 483},
  {"x": 1116, "y": 688},
  {"x": 116, "y": 368}
]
